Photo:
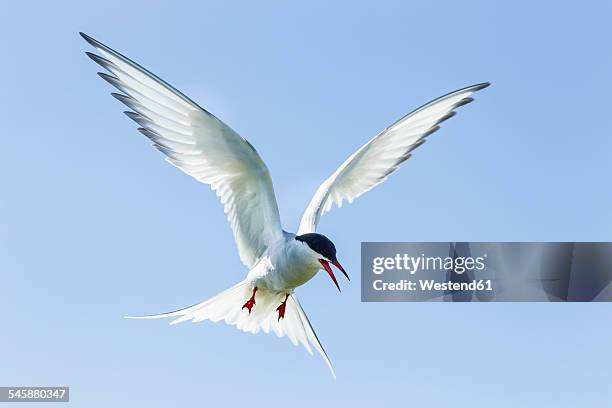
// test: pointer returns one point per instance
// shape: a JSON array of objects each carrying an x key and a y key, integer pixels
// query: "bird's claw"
[
  {"x": 249, "y": 305},
  {"x": 251, "y": 302},
  {"x": 281, "y": 308},
  {"x": 281, "y": 311}
]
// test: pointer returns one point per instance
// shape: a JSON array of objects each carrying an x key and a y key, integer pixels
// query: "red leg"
[
  {"x": 251, "y": 302},
  {"x": 281, "y": 309}
]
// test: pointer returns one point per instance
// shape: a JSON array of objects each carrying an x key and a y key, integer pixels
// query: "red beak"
[
  {"x": 337, "y": 265},
  {"x": 329, "y": 271}
]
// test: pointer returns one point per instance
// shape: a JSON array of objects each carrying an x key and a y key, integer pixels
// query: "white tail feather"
[{"x": 227, "y": 306}]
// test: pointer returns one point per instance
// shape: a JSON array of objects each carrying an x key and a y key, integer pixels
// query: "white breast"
[{"x": 285, "y": 266}]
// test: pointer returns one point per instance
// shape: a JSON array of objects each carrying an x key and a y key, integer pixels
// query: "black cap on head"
[{"x": 320, "y": 244}]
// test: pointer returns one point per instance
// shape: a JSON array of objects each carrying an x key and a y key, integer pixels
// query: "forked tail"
[{"x": 227, "y": 306}]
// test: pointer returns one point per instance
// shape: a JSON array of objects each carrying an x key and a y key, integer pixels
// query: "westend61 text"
[{"x": 432, "y": 285}]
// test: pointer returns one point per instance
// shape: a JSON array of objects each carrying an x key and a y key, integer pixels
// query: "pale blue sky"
[{"x": 95, "y": 225}]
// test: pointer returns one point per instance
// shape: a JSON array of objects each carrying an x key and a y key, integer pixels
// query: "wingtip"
[
  {"x": 109, "y": 78},
  {"x": 104, "y": 76},
  {"x": 103, "y": 62},
  {"x": 445, "y": 118},
  {"x": 482, "y": 85},
  {"x": 87, "y": 38},
  {"x": 96, "y": 44},
  {"x": 121, "y": 97},
  {"x": 463, "y": 102}
]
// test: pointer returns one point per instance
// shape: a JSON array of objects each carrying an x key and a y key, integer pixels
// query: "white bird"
[{"x": 207, "y": 149}]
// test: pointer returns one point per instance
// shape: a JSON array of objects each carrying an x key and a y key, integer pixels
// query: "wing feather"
[
  {"x": 374, "y": 162},
  {"x": 202, "y": 146}
]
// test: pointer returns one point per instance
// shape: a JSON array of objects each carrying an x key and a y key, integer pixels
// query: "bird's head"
[{"x": 324, "y": 251}]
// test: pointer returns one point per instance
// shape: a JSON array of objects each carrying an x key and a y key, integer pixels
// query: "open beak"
[
  {"x": 337, "y": 265},
  {"x": 329, "y": 271}
]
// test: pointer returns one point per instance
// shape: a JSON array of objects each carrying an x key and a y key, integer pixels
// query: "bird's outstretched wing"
[
  {"x": 382, "y": 155},
  {"x": 202, "y": 146}
]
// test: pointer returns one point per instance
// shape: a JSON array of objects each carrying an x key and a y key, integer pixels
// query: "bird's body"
[{"x": 208, "y": 150}]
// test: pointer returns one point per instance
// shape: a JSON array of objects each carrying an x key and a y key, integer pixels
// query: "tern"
[{"x": 201, "y": 145}]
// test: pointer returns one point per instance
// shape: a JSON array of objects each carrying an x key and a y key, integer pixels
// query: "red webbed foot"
[
  {"x": 281, "y": 308},
  {"x": 251, "y": 302}
]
